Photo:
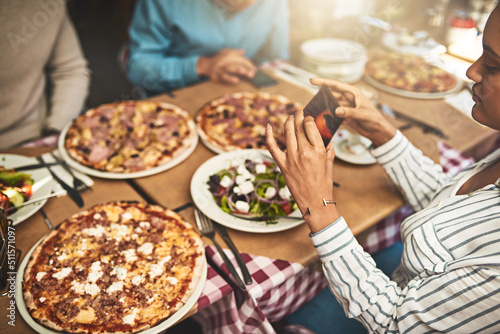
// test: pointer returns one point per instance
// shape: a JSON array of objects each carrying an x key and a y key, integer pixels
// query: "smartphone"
[
  {"x": 322, "y": 108},
  {"x": 261, "y": 80}
]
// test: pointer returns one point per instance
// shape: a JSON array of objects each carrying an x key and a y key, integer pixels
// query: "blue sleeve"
[
  {"x": 278, "y": 43},
  {"x": 150, "y": 37}
]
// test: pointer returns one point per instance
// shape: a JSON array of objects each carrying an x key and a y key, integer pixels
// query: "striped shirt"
[{"x": 449, "y": 276}]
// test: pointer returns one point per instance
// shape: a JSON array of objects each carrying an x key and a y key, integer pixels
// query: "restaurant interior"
[{"x": 446, "y": 33}]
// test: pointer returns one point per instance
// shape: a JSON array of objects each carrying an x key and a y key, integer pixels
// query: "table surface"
[{"x": 365, "y": 195}]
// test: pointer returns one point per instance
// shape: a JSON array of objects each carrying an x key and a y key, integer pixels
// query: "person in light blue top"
[{"x": 176, "y": 43}]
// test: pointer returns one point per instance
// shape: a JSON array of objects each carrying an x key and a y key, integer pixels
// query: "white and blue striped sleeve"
[
  {"x": 464, "y": 300},
  {"x": 418, "y": 177}
]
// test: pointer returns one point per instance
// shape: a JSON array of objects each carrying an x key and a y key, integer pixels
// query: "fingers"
[
  {"x": 290, "y": 136},
  {"x": 312, "y": 132},
  {"x": 273, "y": 147},
  {"x": 336, "y": 85}
]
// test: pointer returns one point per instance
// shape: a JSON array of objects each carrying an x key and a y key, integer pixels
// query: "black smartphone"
[
  {"x": 261, "y": 80},
  {"x": 322, "y": 108}
]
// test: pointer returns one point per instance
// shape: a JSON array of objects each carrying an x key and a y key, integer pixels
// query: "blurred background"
[{"x": 102, "y": 27}]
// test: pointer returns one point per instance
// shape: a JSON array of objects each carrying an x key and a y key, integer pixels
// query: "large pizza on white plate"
[
  {"x": 130, "y": 136},
  {"x": 119, "y": 267},
  {"x": 238, "y": 121}
]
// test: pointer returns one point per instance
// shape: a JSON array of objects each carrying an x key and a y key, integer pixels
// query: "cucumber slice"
[{"x": 14, "y": 196}]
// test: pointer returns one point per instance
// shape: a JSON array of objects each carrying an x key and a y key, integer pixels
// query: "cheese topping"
[
  {"x": 146, "y": 248},
  {"x": 40, "y": 275},
  {"x": 138, "y": 279},
  {"x": 155, "y": 270},
  {"x": 129, "y": 255},
  {"x": 129, "y": 319},
  {"x": 62, "y": 273},
  {"x": 116, "y": 286},
  {"x": 95, "y": 272},
  {"x": 91, "y": 288},
  {"x": 97, "y": 231},
  {"x": 77, "y": 287},
  {"x": 120, "y": 272}
]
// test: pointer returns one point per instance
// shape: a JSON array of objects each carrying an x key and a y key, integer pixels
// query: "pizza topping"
[
  {"x": 136, "y": 280},
  {"x": 129, "y": 319},
  {"x": 120, "y": 272},
  {"x": 62, "y": 273},
  {"x": 40, "y": 275},
  {"x": 116, "y": 286},
  {"x": 146, "y": 249}
]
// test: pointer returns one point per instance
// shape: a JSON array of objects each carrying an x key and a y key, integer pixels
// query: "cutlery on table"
[
  {"x": 221, "y": 229},
  {"x": 72, "y": 192},
  {"x": 36, "y": 166},
  {"x": 47, "y": 220},
  {"x": 78, "y": 184},
  {"x": 36, "y": 200},
  {"x": 424, "y": 126},
  {"x": 207, "y": 230}
]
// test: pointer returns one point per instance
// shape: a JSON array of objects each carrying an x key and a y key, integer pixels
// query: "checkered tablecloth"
[{"x": 279, "y": 288}]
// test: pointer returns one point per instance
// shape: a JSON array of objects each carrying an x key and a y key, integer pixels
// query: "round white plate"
[
  {"x": 416, "y": 95},
  {"x": 340, "y": 141},
  {"x": 169, "y": 322},
  {"x": 41, "y": 187},
  {"x": 205, "y": 202},
  {"x": 109, "y": 175}
]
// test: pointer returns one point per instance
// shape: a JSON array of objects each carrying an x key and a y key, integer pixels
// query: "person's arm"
[
  {"x": 438, "y": 300},
  {"x": 69, "y": 78},
  {"x": 148, "y": 66}
]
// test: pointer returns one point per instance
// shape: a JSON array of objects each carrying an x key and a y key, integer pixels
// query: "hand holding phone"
[{"x": 322, "y": 108}]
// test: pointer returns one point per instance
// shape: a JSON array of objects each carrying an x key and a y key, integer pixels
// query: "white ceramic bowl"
[{"x": 334, "y": 58}]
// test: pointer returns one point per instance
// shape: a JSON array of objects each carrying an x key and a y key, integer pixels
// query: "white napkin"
[{"x": 63, "y": 173}]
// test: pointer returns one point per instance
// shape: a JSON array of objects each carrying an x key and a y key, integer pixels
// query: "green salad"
[{"x": 254, "y": 188}]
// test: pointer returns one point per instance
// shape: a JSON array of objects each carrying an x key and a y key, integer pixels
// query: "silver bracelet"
[{"x": 325, "y": 203}]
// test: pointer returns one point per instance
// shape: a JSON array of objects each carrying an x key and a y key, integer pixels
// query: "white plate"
[
  {"x": 109, "y": 175},
  {"x": 339, "y": 143},
  {"x": 203, "y": 198},
  {"x": 169, "y": 322},
  {"x": 417, "y": 95},
  {"x": 41, "y": 187}
]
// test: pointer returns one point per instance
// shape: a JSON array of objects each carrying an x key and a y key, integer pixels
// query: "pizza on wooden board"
[
  {"x": 119, "y": 267},
  {"x": 238, "y": 121},
  {"x": 130, "y": 136},
  {"x": 409, "y": 73}
]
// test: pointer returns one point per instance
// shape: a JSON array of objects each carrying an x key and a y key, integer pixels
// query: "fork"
[
  {"x": 78, "y": 184},
  {"x": 207, "y": 230}
]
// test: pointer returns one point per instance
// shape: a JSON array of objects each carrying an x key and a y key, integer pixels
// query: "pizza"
[
  {"x": 130, "y": 136},
  {"x": 119, "y": 267},
  {"x": 238, "y": 121},
  {"x": 409, "y": 73}
]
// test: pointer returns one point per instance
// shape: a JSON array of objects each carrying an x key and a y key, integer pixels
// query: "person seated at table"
[
  {"x": 448, "y": 279},
  {"x": 44, "y": 77},
  {"x": 181, "y": 42}
]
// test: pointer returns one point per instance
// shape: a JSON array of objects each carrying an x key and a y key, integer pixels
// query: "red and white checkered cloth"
[
  {"x": 279, "y": 288},
  {"x": 386, "y": 232}
]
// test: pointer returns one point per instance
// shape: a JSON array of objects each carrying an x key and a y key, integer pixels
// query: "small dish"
[{"x": 352, "y": 148}]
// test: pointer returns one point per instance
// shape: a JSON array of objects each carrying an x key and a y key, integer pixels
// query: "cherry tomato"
[
  {"x": 4, "y": 201},
  {"x": 286, "y": 207},
  {"x": 321, "y": 124},
  {"x": 27, "y": 190}
]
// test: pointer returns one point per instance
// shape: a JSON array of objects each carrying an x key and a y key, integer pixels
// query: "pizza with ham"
[
  {"x": 238, "y": 121},
  {"x": 130, "y": 136},
  {"x": 408, "y": 73},
  {"x": 119, "y": 267}
]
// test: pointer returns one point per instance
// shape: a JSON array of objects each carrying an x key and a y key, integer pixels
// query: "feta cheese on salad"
[
  {"x": 270, "y": 192},
  {"x": 239, "y": 179},
  {"x": 226, "y": 181},
  {"x": 237, "y": 190},
  {"x": 260, "y": 168},
  {"x": 285, "y": 193},
  {"x": 242, "y": 206},
  {"x": 246, "y": 187}
]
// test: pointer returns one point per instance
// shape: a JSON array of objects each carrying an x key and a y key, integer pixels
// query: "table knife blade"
[
  {"x": 36, "y": 166},
  {"x": 72, "y": 192},
  {"x": 227, "y": 239}
]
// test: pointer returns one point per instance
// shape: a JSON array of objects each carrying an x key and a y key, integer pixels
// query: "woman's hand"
[
  {"x": 307, "y": 168},
  {"x": 358, "y": 112}
]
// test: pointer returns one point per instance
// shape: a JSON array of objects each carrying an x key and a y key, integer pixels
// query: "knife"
[
  {"x": 72, "y": 192},
  {"x": 425, "y": 127},
  {"x": 35, "y": 200},
  {"x": 36, "y": 166},
  {"x": 225, "y": 236}
]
